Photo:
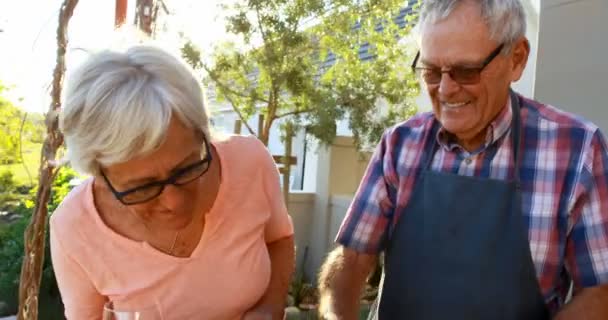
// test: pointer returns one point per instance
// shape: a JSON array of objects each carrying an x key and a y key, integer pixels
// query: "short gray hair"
[
  {"x": 118, "y": 105},
  {"x": 506, "y": 19}
]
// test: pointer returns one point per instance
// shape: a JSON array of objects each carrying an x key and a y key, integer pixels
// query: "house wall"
[
  {"x": 572, "y": 66},
  {"x": 347, "y": 166},
  {"x": 300, "y": 207},
  {"x": 339, "y": 168},
  {"x": 224, "y": 119},
  {"x": 525, "y": 85},
  {"x": 339, "y": 204}
]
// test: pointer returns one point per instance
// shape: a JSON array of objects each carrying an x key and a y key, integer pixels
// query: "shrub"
[{"x": 11, "y": 254}]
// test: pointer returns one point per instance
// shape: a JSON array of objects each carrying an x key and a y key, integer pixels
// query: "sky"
[{"x": 28, "y": 45}]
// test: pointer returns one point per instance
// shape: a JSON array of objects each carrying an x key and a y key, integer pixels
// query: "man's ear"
[{"x": 519, "y": 58}]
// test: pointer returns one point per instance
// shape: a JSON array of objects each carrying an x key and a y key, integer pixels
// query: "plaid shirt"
[{"x": 564, "y": 179}]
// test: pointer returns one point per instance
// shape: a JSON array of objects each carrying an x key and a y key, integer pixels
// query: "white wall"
[
  {"x": 300, "y": 207},
  {"x": 311, "y": 163},
  {"x": 224, "y": 118},
  {"x": 525, "y": 85},
  {"x": 320, "y": 215},
  {"x": 572, "y": 66},
  {"x": 338, "y": 204},
  {"x": 315, "y": 233},
  {"x": 339, "y": 168}
]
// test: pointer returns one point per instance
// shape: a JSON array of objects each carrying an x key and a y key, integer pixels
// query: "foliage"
[
  {"x": 313, "y": 76},
  {"x": 11, "y": 252},
  {"x": 16, "y": 126},
  {"x": 21, "y": 136},
  {"x": 9, "y": 195}
]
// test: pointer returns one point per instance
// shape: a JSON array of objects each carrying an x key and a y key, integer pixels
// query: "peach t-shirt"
[{"x": 226, "y": 274}]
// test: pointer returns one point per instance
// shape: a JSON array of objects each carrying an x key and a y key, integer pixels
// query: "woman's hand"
[
  {"x": 260, "y": 313},
  {"x": 272, "y": 304}
]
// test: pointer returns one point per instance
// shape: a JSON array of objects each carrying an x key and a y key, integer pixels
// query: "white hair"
[
  {"x": 118, "y": 105},
  {"x": 506, "y": 19}
]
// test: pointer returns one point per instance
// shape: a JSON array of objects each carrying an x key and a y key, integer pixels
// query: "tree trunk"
[
  {"x": 31, "y": 268},
  {"x": 264, "y": 136}
]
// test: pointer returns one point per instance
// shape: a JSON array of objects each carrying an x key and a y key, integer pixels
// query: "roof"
[{"x": 364, "y": 52}]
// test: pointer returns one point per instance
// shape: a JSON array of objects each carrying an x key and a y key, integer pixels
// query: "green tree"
[
  {"x": 16, "y": 128},
  {"x": 10, "y": 126},
  {"x": 281, "y": 66}
]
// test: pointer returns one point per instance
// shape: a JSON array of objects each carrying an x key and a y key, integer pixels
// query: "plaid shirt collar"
[{"x": 496, "y": 130}]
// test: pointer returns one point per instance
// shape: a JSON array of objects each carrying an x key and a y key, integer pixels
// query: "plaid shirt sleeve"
[
  {"x": 367, "y": 219},
  {"x": 587, "y": 243}
]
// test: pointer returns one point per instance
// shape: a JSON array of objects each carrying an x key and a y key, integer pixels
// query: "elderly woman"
[{"x": 174, "y": 219}]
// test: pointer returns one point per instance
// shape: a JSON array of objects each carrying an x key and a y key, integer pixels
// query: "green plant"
[
  {"x": 11, "y": 256},
  {"x": 11, "y": 253},
  {"x": 11, "y": 194}
]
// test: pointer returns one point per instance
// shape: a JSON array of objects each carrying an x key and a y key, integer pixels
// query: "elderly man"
[{"x": 490, "y": 206}]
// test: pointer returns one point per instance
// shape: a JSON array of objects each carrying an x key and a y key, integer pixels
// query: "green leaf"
[{"x": 288, "y": 72}]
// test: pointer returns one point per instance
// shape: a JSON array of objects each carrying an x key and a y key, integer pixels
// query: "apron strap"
[{"x": 516, "y": 129}]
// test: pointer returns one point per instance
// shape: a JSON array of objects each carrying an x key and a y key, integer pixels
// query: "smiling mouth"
[{"x": 456, "y": 105}]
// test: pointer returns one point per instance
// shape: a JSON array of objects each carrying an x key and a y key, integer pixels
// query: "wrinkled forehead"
[{"x": 461, "y": 37}]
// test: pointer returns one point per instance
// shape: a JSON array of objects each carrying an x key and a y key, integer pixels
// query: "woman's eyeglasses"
[{"x": 152, "y": 190}]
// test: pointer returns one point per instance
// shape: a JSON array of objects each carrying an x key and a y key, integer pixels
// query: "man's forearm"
[
  {"x": 589, "y": 304},
  {"x": 341, "y": 299},
  {"x": 341, "y": 282},
  {"x": 282, "y": 259}
]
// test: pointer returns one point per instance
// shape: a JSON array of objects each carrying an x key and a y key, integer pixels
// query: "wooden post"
[
  {"x": 120, "y": 13},
  {"x": 237, "y": 127},
  {"x": 31, "y": 267},
  {"x": 287, "y": 162},
  {"x": 260, "y": 125}
]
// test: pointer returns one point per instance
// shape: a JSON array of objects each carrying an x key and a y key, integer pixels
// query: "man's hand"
[
  {"x": 341, "y": 282},
  {"x": 589, "y": 304}
]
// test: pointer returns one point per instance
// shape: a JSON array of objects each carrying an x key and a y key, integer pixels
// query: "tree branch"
[
  {"x": 236, "y": 93},
  {"x": 291, "y": 113},
  {"x": 264, "y": 36},
  {"x": 267, "y": 42},
  {"x": 238, "y": 113},
  {"x": 227, "y": 88}
]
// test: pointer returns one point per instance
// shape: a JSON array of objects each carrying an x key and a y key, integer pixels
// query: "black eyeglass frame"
[
  {"x": 172, "y": 180},
  {"x": 450, "y": 71}
]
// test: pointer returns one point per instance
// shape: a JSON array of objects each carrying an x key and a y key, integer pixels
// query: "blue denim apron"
[{"x": 460, "y": 249}]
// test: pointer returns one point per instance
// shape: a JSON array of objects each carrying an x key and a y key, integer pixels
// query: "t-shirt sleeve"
[
  {"x": 80, "y": 297},
  {"x": 279, "y": 225}
]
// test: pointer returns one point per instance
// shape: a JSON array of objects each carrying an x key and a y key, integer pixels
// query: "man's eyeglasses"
[
  {"x": 460, "y": 74},
  {"x": 152, "y": 190}
]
